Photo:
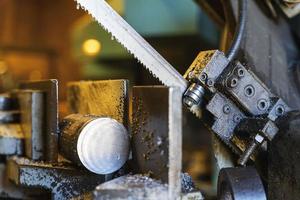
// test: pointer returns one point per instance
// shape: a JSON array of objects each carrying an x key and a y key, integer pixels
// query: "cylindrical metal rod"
[
  {"x": 100, "y": 144},
  {"x": 247, "y": 154},
  {"x": 258, "y": 140}
]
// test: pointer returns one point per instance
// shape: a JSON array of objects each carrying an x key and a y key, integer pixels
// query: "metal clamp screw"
[
  {"x": 241, "y": 72},
  {"x": 258, "y": 140},
  {"x": 233, "y": 82},
  {"x": 237, "y": 118},
  {"x": 279, "y": 110},
  {"x": 226, "y": 109},
  {"x": 210, "y": 82},
  {"x": 249, "y": 91},
  {"x": 262, "y": 104},
  {"x": 203, "y": 76}
]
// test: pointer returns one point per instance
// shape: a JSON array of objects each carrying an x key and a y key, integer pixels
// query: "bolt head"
[
  {"x": 237, "y": 118},
  {"x": 233, "y": 82},
  {"x": 191, "y": 75},
  {"x": 241, "y": 72},
  {"x": 226, "y": 109},
  {"x": 210, "y": 82},
  {"x": 203, "y": 76},
  {"x": 279, "y": 110},
  {"x": 259, "y": 139}
]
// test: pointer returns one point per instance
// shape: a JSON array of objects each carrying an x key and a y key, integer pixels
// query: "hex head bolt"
[{"x": 258, "y": 140}]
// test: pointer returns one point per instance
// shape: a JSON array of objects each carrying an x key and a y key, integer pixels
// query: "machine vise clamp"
[{"x": 233, "y": 102}]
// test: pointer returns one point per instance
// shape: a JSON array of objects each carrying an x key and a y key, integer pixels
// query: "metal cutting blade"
[{"x": 112, "y": 22}]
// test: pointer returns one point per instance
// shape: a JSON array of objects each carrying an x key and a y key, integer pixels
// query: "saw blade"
[{"x": 112, "y": 22}]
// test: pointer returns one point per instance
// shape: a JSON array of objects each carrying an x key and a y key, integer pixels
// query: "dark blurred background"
[{"x": 42, "y": 39}]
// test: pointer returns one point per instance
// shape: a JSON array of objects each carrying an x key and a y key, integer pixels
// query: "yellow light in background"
[{"x": 91, "y": 47}]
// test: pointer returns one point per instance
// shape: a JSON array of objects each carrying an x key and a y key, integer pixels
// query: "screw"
[
  {"x": 279, "y": 110},
  {"x": 210, "y": 82},
  {"x": 226, "y": 109},
  {"x": 191, "y": 75},
  {"x": 241, "y": 72},
  {"x": 203, "y": 76},
  {"x": 258, "y": 140},
  {"x": 237, "y": 118},
  {"x": 249, "y": 91},
  {"x": 262, "y": 104},
  {"x": 233, "y": 82}
]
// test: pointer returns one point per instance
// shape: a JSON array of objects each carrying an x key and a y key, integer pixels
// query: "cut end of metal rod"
[{"x": 103, "y": 146}]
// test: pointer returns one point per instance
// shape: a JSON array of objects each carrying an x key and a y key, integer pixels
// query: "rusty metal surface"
[
  {"x": 156, "y": 134},
  {"x": 32, "y": 109},
  {"x": 62, "y": 179},
  {"x": 50, "y": 87}
]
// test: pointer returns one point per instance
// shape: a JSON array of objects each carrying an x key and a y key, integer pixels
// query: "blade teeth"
[
  {"x": 128, "y": 50},
  {"x": 194, "y": 110}
]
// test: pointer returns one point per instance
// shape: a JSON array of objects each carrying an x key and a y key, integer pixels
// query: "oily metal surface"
[
  {"x": 9, "y": 190},
  {"x": 63, "y": 180},
  {"x": 156, "y": 134},
  {"x": 50, "y": 87},
  {"x": 269, "y": 50},
  {"x": 113, "y": 23},
  {"x": 104, "y": 98}
]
